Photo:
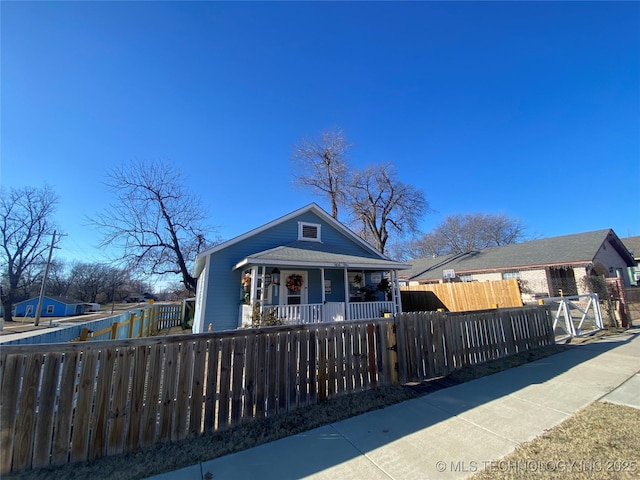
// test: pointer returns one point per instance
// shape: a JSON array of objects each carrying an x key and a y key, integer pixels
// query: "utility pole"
[{"x": 44, "y": 280}]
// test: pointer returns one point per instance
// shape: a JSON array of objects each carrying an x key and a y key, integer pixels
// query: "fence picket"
[
  {"x": 46, "y": 409},
  {"x": 98, "y": 447},
  {"x": 211, "y": 385},
  {"x": 138, "y": 382},
  {"x": 237, "y": 378},
  {"x": 249, "y": 379},
  {"x": 283, "y": 368},
  {"x": 119, "y": 401},
  {"x": 11, "y": 368},
  {"x": 225, "y": 383},
  {"x": 261, "y": 375},
  {"x": 64, "y": 416},
  {"x": 149, "y": 416},
  {"x": 184, "y": 386},
  {"x": 25, "y": 419},
  {"x": 84, "y": 406}
]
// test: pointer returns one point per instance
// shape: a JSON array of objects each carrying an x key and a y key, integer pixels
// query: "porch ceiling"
[{"x": 306, "y": 254}]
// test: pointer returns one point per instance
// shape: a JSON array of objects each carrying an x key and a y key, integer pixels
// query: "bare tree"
[
  {"x": 466, "y": 233},
  {"x": 321, "y": 163},
  {"x": 157, "y": 224},
  {"x": 381, "y": 204},
  {"x": 26, "y": 228},
  {"x": 58, "y": 280},
  {"x": 88, "y": 280}
]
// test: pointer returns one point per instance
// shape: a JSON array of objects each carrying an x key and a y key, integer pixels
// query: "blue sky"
[{"x": 526, "y": 109}]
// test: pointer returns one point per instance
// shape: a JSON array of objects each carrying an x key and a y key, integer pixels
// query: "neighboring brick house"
[
  {"x": 543, "y": 267},
  {"x": 633, "y": 245}
]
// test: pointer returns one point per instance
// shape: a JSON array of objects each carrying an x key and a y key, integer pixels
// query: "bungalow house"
[
  {"x": 633, "y": 245},
  {"x": 51, "y": 307},
  {"x": 547, "y": 267},
  {"x": 304, "y": 267}
]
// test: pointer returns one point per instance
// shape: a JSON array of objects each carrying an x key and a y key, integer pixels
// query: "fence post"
[
  {"x": 114, "y": 330},
  {"x": 84, "y": 334},
  {"x": 373, "y": 373},
  {"x": 141, "y": 324},
  {"x": 392, "y": 351},
  {"x": 132, "y": 321}
]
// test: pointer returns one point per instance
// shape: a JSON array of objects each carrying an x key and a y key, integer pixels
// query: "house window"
[
  {"x": 309, "y": 231},
  {"x": 49, "y": 308},
  {"x": 508, "y": 275},
  {"x": 466, "y": 278}
]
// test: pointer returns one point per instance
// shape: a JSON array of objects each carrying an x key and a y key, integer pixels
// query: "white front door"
[{"x": 293, "y": 287}]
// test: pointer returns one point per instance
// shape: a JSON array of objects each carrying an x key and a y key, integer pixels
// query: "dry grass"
[
  {"x": 172, "y": 456},
  {"x": 600, "y": 441}
]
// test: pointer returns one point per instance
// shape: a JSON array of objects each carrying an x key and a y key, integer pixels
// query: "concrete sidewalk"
[{"x": 449, "y": 433}]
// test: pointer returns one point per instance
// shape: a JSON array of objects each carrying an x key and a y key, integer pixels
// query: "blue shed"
[
  {"x": 305, "y": 267},
  {"x": 51, "y": 307}
]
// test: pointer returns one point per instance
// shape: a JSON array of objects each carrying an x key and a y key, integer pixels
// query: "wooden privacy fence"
[
  {"x": 143, "y": 323},
  {"x": 461, "y": 296},
  {"x": 434, "y": 344},
  {"x": 72, "y": 402}
]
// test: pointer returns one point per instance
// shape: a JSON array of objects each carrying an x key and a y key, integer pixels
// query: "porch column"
[
  {"x": 254, "y": 287},
  {"x": 395, "y": 293},
  {"x": 263, "y": 290},
  {"x": 347, "y": 310},
  {"x": 323, "y": 310}
]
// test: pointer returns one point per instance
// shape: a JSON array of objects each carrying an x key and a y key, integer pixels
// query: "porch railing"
[
  {"x": 299, "y": 314},
  {"x": 367, "y": 310},
  {"x": 330, "y": 312}
]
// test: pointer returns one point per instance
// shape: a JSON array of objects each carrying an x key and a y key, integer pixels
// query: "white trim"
[
  {"x": 304, "y": 291},
  {"x": 316, "y": 226},
  {"x": 297, "y": 263},
  {"x": 200, "y": 304}
]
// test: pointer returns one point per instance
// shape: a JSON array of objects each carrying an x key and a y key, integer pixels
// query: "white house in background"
[
  {"x": 633, "y": 245},
  {"x": 304, "y": 267},
  {"x": 544, "y": 267}
]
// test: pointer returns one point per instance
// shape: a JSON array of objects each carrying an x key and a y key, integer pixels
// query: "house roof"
[
  {"x": 580, "y": 248},
  {"x": 317, "y": 255},
  {"x": 65, "y": 300},
  {"x": 633, "y": 245},
  {"x": 314, "y": 208}
]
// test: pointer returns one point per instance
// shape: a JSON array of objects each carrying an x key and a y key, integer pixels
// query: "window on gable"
[
  {"x": 309, "y": 231},
  {"x": 49, "y": 308}
]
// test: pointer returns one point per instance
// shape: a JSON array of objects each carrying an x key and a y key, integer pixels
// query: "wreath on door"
[{"x": 294, "y": 282}]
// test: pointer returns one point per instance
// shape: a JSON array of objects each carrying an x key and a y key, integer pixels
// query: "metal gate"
[{"x": 575, "y": 315}]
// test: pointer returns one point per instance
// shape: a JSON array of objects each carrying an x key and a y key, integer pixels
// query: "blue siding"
[
  {"x": 337, "y": 285},
  {"x": 222, "y": 305},
  {"x": 60, "y": 309}
]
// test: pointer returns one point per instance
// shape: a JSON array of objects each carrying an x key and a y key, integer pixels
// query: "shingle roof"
[
  {"x": 633, "y": 245},
  {"x": 316, "y": 254},
  {"x": 580, "y": 248}
]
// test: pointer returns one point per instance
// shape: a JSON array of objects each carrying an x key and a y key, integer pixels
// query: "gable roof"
[
  {"x": 633, "y": 245},
  {"x": 580, "y": 248},
  {"x": 315, "y": 255},
  {"x": 65, "y": 300},
  {"x": 295, "y": 247}
]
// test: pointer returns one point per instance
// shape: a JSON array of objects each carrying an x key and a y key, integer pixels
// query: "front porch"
[
  {"x": 316, "y": 313},
  {"x": 315, "y": 295}
]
